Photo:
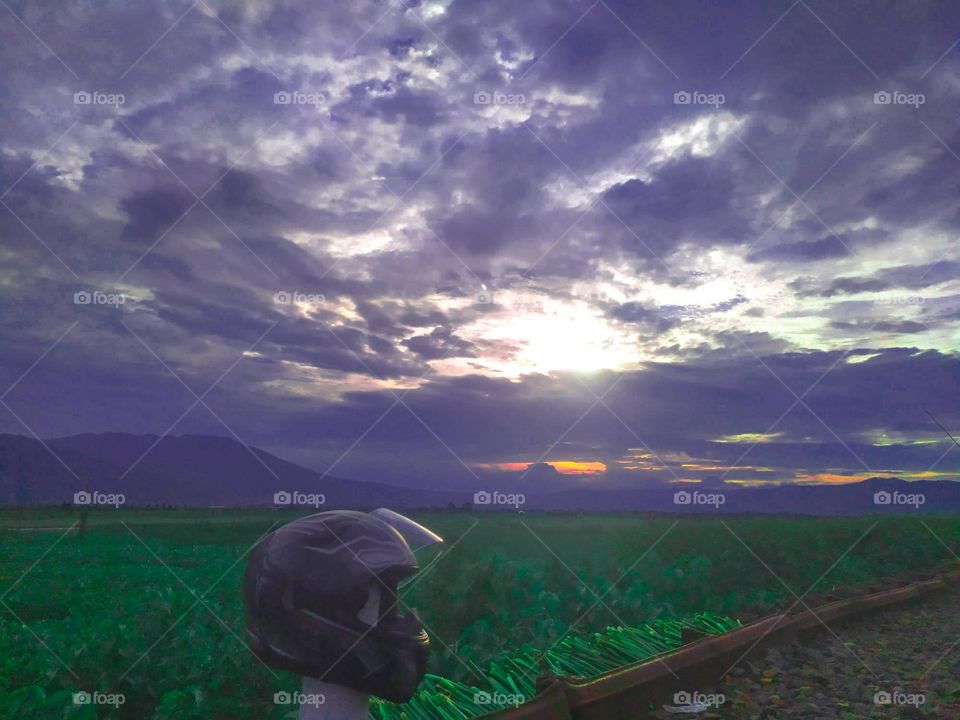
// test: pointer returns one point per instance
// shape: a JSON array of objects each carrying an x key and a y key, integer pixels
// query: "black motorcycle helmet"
[{"x": 308, "y": 586}]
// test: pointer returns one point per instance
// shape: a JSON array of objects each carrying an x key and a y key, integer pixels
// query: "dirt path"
[{"x": 896, "y": 664}]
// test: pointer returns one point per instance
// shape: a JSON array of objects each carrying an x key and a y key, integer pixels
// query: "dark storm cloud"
[
  {"x": 505, "y": 174},
  {"x": 690, "y": 198},
  {"x": 440, "y": 343},
  {"x": 813, "y": 250},
  {"x": 671, "y": 409},
  {"x": 393, "y": 199},
  {"x": 151, "y": 212},
  {"x": 902, "y": 327},
  {"x": 643, "y": 315},
  {"x": 908, "y": 277},
  {"x": 667, "y": 317},
  {"x": 674, "y": 410}
]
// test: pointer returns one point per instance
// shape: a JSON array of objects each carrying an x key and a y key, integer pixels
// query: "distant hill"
[
  {"x": 204, "y": 470},
  {"x": 192, "y": 470}
]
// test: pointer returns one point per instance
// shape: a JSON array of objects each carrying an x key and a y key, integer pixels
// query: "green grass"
[{"x": 154, "y": 611}]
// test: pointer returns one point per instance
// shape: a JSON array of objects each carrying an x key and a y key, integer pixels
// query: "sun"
[{"x": 546, "y": 335}]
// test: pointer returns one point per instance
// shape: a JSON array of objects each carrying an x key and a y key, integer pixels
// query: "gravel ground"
[{"x": 903, "y": 654}]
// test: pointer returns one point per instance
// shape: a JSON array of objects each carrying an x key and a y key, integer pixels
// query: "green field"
[{"x": 147, "y": 604}]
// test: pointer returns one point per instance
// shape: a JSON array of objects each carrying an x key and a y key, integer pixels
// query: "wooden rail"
[{"x": 629, "y": 691}]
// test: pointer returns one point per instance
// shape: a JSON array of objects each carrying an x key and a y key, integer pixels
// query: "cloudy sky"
[{"x": 429, "y": 242}]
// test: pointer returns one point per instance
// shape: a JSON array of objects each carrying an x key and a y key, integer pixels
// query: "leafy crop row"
[
  {"x": 513, "y": 679},
  {"x": 152, "y": 609}
]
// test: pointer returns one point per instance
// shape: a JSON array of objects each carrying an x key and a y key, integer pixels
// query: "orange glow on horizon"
[
  {"x": 835, "y": 478},
  {"x": 564, "y": 467},
  {"x": 574, "y": 467}
]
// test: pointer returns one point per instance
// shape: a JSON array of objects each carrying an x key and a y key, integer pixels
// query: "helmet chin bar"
[{"x": 321, "y": 601}]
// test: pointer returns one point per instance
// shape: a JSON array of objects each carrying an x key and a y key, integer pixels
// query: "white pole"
[{"x": 323, "y": 701}]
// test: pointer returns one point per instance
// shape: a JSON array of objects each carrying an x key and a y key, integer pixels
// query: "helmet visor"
[{"x": 416, "y": 535}]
